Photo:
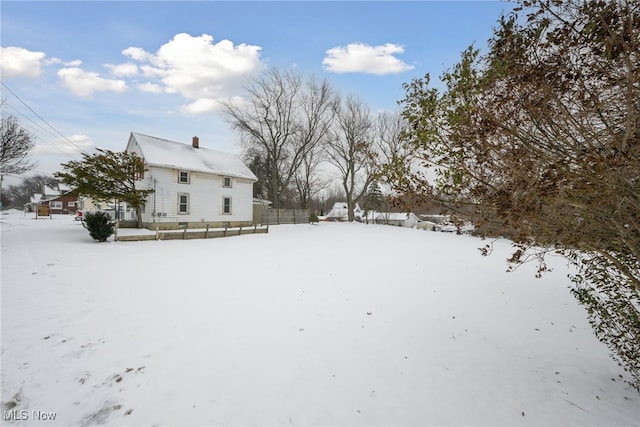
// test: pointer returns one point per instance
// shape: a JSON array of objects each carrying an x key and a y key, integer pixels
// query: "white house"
[
  {"x": 340, "y": 212},
  {"x": 402, "y": 219},
  {"x": 193, "y": 186}
]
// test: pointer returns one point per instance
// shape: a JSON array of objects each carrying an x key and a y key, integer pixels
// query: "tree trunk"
[{"x": 139, "y": 215}]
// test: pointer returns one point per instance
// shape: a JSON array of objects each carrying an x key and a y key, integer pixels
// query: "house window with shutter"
[
  {"x": 226, "y": 205},
  {"x": 226, "y": 182},
  {"x": 183, "y": 177},
  {"x": 183, "y": 203}
]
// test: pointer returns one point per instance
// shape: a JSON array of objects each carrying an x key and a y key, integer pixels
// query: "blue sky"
[{"x": 95, "y": 71}]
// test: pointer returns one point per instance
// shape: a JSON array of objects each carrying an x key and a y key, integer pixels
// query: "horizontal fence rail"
[{"x": 186, "y": 234}]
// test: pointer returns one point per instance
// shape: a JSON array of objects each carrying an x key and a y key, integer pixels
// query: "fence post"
[
  {"x": 240, "y": 232},
  {"x": 115, "y": 236},
  {"x": 157, "y": 235},
  {"x": 225, "y": 230},
  {"x": 206, "y": 233}
]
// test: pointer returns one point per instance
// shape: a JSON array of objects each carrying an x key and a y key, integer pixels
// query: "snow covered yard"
[{"x": 330, "y": 324}]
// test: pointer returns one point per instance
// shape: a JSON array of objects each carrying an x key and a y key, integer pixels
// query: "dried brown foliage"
[{"x": 539, "y": 140}]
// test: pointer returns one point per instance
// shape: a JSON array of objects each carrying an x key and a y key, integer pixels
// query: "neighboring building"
[
  {"x": 193, "y": 186},
  {"x": 63, "y": 204},
  {"x": 401, "y": 219},
  {"x": 340, "y": 212},
  {"x": 58, "y": 200},
  {"x": 116, "y": 210},
  {"x": 438, "y": 219},
  {"x": 427, "y": 225}
]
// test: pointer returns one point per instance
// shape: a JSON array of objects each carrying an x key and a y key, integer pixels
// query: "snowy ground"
[{"x": 330, "y": 324}]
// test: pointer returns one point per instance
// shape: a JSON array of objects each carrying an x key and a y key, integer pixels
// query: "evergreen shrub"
[{"x": 99, "y": 224}]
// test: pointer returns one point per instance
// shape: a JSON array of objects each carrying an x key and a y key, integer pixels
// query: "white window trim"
[
  {"x": 180, "y": 203},
  {"x": 71, "y": 204},
  {"x": 57, "y": 204},
  {"x": 180, "y": 181},
  {"x": 224, "y": 178},
  {"x": 230, "y": 205}
]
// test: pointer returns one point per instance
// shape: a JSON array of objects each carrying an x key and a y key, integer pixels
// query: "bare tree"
[
  {"x": 350, "y": 149},
  {"x": 283, "y": 118},
  {"x": 389, "y": 146},
  {"x": 308, "y": 180},
  {"x": 21, "y": 193},
  {"x": 319, "y": 102},
  {"x": 15, "y": 146}
]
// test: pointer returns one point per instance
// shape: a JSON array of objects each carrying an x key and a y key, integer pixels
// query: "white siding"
[{"x": 206, "y": 193}]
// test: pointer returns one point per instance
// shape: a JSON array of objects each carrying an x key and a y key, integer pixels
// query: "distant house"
[
  {"x": 340, "y": 212},
  {"x": 63, "y": 204},
  {"x": 56, "y": 199},
  {"x": 193, "y": 186},
  {"x": 401, "y": 219}
]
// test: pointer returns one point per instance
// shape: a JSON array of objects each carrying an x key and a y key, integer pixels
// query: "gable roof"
[
  {"x": 340, "y": 210},
  {"x": 175, "y": 155},
  {"x": 50, "y": 192}
]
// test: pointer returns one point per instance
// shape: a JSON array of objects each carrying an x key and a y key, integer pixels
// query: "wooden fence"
[
  {"x": 187, "y": 234},
  {"x": 285, "y": 216}
]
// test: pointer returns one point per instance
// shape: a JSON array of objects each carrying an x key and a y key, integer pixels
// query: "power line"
[
  {"x": 36, "y": 128},
  {"x": 64, "y": 138},
  {"x": 43, "y": 134}
]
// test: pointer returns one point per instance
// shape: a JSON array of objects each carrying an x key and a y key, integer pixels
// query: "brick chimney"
[{"x": 196, "y": 142}]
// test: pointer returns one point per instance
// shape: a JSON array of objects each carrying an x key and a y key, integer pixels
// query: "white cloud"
[
  {"x": 197, "y": 68},
  {"x": 65, "y": 145},
  {"x": 123, "y": 70},
  {"x": 362, "y": 58},
  {"x": 137, "y": 54},
  {"x": 202, "y": 105},
  {"x": 51, "y": 61},
  {"x": 83, "y": 83},
  {"x": 20, "y": 62},
  {"x": 150, "y": 87}
]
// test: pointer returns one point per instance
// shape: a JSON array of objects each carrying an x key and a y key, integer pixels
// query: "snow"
[
  {"x": 340, "y": 212},
  {"x": 284, "y": 328},
  {"x": 162, "y": 152}
]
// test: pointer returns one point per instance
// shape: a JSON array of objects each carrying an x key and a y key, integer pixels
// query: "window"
[
  {"x": 71, "y": 204},
  {"x": 183, "y": 177},
  {"x": 226, "y": 182},
  {"x": 56, "y": 205},
  {"x": 226, "y": 205},
  {"x": 183, "y": 203}
]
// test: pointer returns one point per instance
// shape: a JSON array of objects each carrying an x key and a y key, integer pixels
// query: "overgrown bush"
[
  {"x": 613, "y": 305},
  {"x": 99, "y": 224},
  {"x": 539, "y": 140},
  {"x": 313, "y": 218}
]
